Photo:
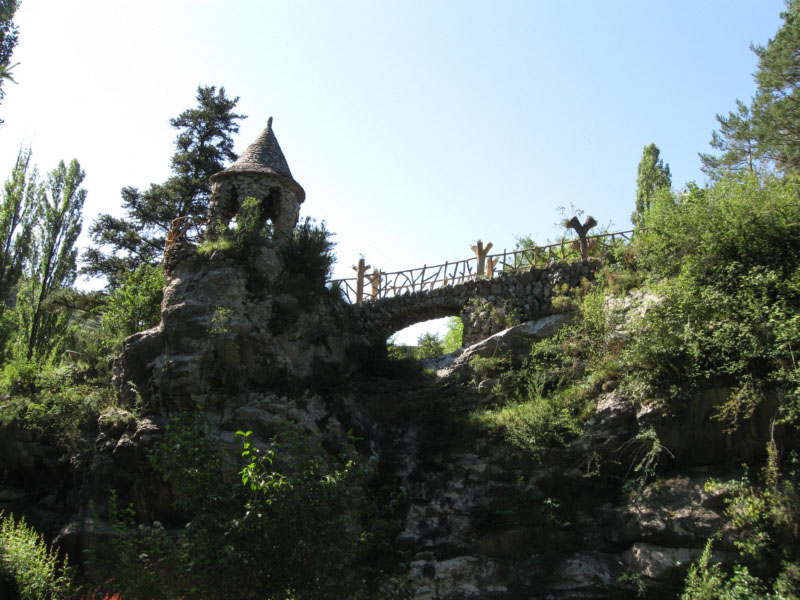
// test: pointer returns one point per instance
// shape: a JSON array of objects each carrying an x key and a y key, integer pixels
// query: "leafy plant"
[
  {"x": 288, "y": 517},
  {"x": 47, "y": 401},
  {"x": 133, "y": 306},
  {"x": 429, "y": 345},
  {"x": 29, "y": 569},
  {"x": 453, "y": 337}
]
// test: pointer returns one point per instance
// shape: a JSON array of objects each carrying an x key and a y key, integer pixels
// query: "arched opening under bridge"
[{"x": 427, "y": 339}]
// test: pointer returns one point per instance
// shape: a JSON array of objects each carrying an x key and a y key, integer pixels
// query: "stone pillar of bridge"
[{"x": 261, "y": 172}]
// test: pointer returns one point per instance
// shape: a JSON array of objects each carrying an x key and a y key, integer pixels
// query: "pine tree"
[
  {"x": 202, "y": 147},
  {"x": 652, "y": 175},
  {"x": 767, "y": 133},
  {"x": 777, "y": 102},
  {"x": 739, "y": 144}
]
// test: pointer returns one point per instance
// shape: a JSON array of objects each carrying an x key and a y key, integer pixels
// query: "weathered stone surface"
[
  {"x": 664, "y": 563},
  {"x": 509, "y": 342},
  {"x": 485, "y": 306}
]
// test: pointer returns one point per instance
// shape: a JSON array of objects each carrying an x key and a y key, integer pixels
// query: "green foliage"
[
  {"x": 400, "y": 352},
  {"x": 729, "y": 294},
  {"x": 765, "y": 515},
  {"x": 29, "y": 569},
  {"x": 138, "y": 556},
  {"x": 429, "y": 345},
  {"x": 776, "y": 102},
  {"x": 645, "y": 450},
  {"x": 16, "y": 225},
  {"x": 708, "y": 582},
  {"x": 9, "y": 34},
  {"x": 652, "y": 175},
  {"x": 534, "y": 425},
  {"x": 453, "y": 337},
  {"x": 310, "y": 253},
  {"x": 133, "y": 306},
  {"x": 764, "y": 133},
  {"x": 738, "y": 142},
  {"x": 290, "y": 519},
  {"x": 49, "y": 402},
  {"x": 58, "y": 206},
  {"x": 485, "y": 367},
  {"x": 543, "y": 400},
  {"x": 203, "y": 144},
  {"x": 242, "y": 240},
  {"x": 503, "y": 316}
]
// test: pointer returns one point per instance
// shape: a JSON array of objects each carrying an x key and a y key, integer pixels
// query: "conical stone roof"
[{"x": 262, "y": 156}]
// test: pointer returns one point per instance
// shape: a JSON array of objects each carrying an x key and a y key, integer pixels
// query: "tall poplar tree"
[
  {"x": 53, "y": 261},
  {"x": 16, "y": 224},
  {"x": 203, "y": 145},
  {"x": 651, "y": 176}
]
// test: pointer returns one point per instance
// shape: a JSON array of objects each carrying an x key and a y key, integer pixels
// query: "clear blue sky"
[{"x": 415, "y": 126}]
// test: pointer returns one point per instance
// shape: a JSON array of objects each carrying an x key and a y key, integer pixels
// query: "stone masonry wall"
[{"x": 486, "y": 306}]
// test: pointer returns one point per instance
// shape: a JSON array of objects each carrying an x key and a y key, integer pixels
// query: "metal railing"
[{"x": 378, "y": 284}]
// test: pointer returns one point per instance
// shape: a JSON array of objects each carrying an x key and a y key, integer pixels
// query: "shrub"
[
  {"x": 309, "y": 254},
  {"x": 48, "y": 401},
  {"x": 429, "y": 345},
  {"x": 134, "y": 306},
  {"x": 453, "y": 338},
  {"x": 731, "y": 297},
  {"x": 290, "y": 520},
  {"x": 29, "y": 569}
]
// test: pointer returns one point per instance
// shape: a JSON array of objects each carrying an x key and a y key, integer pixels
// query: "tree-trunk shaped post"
[
  {"x": 374, "y": 279},
  {"x": 360, "y": 270},
  {"x": 481, "y": 252},
  {"x": 582, "y": 230},
  {"x": 491, "y": 263}
]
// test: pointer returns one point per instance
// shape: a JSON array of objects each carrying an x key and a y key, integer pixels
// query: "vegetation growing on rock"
[{"x": 236, "y": 436}]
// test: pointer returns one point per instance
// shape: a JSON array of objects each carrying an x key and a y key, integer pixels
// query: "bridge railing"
[{"x": 378, "y": 284}]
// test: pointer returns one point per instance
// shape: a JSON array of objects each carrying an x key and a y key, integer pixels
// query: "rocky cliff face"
[
  {"x": 229, "y": 327},
  {"x": 479, "y": 518}
]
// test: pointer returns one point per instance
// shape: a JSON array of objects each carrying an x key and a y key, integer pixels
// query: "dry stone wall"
[{"x": 486, "y": 306}]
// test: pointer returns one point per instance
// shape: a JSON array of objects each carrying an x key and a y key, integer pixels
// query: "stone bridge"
[{"x": 485, "y": 305}]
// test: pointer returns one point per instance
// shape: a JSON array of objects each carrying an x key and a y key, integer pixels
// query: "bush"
[
  {"x": 290, "y": 520},
  {"x": 29, "y": 569},
  {"x": 453, "y": 338},
  {"x": 48, "y": 401},
  {"x": 429, "y": 345},
  {"x": 720, "y": 233},
  {"x": 309, "y": 254},
  {"x": 731, "y": 298},
  {"x": 134, "y": 306}
]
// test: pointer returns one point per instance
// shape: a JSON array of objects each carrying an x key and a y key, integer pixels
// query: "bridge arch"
[{"x": 526, "y": 294}]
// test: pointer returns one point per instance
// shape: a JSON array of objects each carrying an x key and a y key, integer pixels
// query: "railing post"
[
  {"x": 582, "y": 230},
  {"x": 490, "y": 265},
  {"x": 360, "y": 270},
  {"x": 374, "y": 279},
  {"x": 481, "y": 252}
]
